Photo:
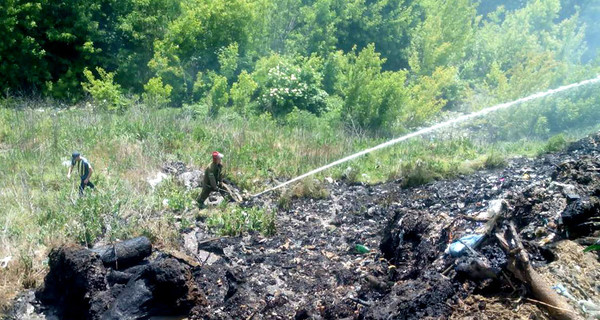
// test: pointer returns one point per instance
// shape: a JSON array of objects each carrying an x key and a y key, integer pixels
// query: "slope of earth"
[{"x": 313, "y": 269}]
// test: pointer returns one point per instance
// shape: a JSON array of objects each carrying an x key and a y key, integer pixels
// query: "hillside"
[{"x": 310, "y": 267}]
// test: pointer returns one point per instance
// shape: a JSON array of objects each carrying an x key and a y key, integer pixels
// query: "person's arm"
[
  {"x": 213, "y": 181},
  {"x": 90, "y": 170},
  {"x": 69, "y": 173}
]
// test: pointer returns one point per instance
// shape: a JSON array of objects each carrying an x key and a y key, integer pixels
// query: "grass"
[
  {"x": 235, "y": 221},
  {"x": 40, "y": 208}
]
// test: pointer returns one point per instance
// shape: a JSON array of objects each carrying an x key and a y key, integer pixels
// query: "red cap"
[{"x": 215, "y": 154}]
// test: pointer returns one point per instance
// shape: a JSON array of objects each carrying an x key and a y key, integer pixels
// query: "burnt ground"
[{"x": 311, "y": 268}]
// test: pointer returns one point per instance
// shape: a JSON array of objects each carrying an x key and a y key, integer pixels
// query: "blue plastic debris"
[{"x": 457, "y": 248}]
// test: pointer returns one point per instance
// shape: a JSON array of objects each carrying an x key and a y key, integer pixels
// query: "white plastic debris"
[
  {"x": 157, "y": 179},
  {"x": 4, "y": 262}
]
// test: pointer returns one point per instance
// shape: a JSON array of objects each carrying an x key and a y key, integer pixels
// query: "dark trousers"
[
  {"x": 204, "y": 195},
  {"x": 83, "y": 185}
]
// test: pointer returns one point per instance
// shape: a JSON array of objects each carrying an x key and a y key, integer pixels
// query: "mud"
[{"x": 311, "y": 270}]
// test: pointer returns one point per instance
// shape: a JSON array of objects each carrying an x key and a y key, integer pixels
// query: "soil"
[{"x": 312, "y": 268}]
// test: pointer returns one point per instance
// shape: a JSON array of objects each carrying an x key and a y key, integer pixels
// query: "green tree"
[
  {"x": 372, "y": 99},
  {"x": 193, "y": 40},
  {"x": 106, "y": 93},
  {"x": 218, "y": 97},
  {"x": 443, "y": 37},
  {"x": 242, "y": 92},
  {"x": 228, "y": 60},
  {"x": 157, "y": 94},
  {"x": 139, "y": 24},
  {"x": 22, "y": 56}
]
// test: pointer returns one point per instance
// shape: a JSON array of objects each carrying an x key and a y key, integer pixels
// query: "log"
[
  {"x": 125, "y": 254},
  {"x": 518, "y": 264}
]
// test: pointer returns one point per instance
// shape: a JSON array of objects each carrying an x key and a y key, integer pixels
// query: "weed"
[
  {"x": 284, "y": 201},
  {"x": 417, "y": 173},
  {"x": 494, "y": 160},
  {"x": 555, "y": 144},
  {"x": 235, "y": 221},
  {"x": 310, "y": 188}
]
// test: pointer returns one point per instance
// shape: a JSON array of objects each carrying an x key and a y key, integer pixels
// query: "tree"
[
  {"x": 192, "y": 41},
  {"x": 443, "y": 37}
]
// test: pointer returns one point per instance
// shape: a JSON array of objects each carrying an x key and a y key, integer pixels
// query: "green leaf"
[{"x": 594, "y": 247}]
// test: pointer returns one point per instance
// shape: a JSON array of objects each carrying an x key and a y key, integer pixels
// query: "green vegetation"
[
  {"x": 556, "y": 143},
  {"x": 384, "y": 66},
  {"x": 235, "y": 221},
  {"x": 280, "y": 87}
]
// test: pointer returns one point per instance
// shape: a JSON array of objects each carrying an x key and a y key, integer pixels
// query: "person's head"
[
  {"x": 75, "y": 156},
  {"x": 216, "y": 156}
]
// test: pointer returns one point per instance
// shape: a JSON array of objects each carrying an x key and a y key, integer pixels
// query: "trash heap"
[
  {"x": 120, "y": 281},
  {"x": 501, "y": 244}
]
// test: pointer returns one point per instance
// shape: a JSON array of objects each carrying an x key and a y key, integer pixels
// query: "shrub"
[
  {"x": 310, "y": 188},
  {"x": 494, "y": 160},
  {"x": 242, "y": 92},
  {"x": 416, "y": 173},
  {"x": 105, "y": 92},
  {"x": 235, "y": 221},
  {"x": 556, "y": 143},
  {"x": 218, "y": 96},
  {"x": 285, "y": 84},
  {"x": 156, "y": 94}
]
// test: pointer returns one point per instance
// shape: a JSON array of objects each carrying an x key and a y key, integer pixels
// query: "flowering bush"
[{"x": 286, "y": 85}]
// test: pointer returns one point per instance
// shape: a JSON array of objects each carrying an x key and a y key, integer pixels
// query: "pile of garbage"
[
  {"x": 502, "y": 244},
  {"x": 125, "y": 280}
]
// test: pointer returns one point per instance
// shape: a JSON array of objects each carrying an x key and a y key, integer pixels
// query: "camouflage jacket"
[{"x": 213, "y": 176}]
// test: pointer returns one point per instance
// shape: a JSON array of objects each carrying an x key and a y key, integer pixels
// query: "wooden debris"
[{"x": 518, "y": 264}]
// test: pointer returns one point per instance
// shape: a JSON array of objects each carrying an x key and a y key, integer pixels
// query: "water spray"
[{"x": 435, "y": 127}]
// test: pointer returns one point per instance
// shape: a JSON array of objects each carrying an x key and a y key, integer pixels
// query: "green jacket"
[{"x": 213, "y": 176}]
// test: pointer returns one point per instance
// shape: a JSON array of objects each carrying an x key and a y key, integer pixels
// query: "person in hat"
[
  {"x": 83, "y": 168},
  {"x": 213, "y": 178}
]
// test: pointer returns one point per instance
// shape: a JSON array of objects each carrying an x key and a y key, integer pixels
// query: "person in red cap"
[{"x": 213, "y": 179}]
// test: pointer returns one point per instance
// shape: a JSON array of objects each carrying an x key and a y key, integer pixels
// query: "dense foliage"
[{"x": 383, "y": 65}]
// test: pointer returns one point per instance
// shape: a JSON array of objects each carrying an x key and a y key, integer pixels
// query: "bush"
[
  {"x": 156, "y": 94},
  {"x": 416, "y": 173},
  {"x": 285, "y": 84},
  {"x": 105, "y": 92},
  {"x": 242, "y": 92},
  {"x": 235, "y": 221},
  {"x": 310, "y": 188},
  {"x": 494, "y": 160},
  {"x": 555, "y": 144},
  {"x": 218, "y": 96}
]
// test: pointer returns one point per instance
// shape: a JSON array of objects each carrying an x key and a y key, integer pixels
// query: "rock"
[
  {"x": 215, "y": 199},
  {"x": 75, "y": 275},
  {"x": 476, "y": 269},
  {"x": 191, "y": 179},
  {"x": 79, "y": 286},
  {"x": 174, "y": 168},
  {"x": 190, "y": 242},
  {"x": 576, "y": 217},
  {"x": 126, "y": 253}
]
